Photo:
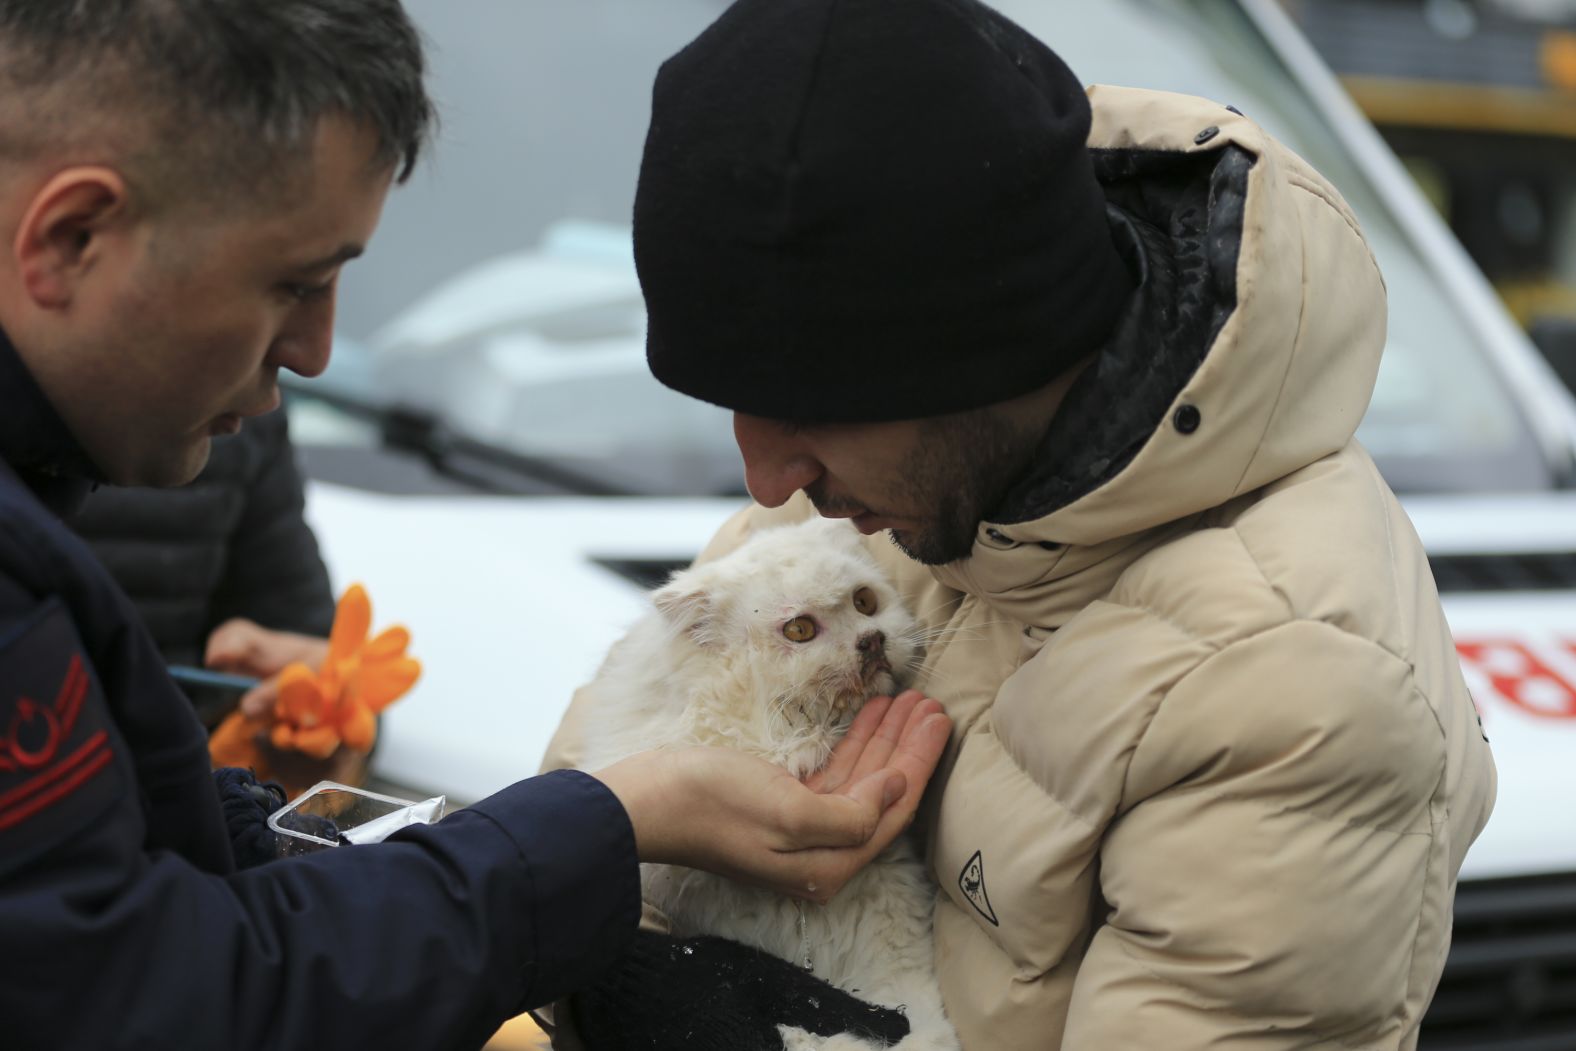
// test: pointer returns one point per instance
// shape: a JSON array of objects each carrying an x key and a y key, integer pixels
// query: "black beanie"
[{"x": 870, "y": 210}]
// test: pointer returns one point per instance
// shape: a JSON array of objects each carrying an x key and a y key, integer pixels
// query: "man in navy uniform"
[{"x": 180, "y": 183}]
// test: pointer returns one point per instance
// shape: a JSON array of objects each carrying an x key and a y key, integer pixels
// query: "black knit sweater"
[{"x": 233, "y": 543}]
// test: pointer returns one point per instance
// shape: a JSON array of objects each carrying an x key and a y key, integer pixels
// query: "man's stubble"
[{"x": 960, "y": 470}]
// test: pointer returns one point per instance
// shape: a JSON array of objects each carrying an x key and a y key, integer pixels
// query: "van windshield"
[{"x": 501, "y": 296}]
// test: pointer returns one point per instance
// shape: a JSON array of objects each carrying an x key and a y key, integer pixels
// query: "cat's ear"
[{"x": 687, "y": 605}]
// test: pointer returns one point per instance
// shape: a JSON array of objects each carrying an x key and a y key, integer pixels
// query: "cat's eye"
[
  {"x": 865, "y": 601},
  {"x": 800, "y": 629}
]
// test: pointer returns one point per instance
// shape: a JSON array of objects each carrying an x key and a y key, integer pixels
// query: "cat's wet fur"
[{"x": 722, "y": 659}]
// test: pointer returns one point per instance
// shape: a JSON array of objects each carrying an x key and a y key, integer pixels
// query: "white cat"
[{"x": 772, "y": 650}]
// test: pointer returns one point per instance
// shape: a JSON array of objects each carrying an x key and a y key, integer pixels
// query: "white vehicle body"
[{"x": 513, "y": 601}]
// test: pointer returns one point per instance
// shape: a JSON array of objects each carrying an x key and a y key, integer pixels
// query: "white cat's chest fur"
[
  {"x": 873, "y": 939},
  {"x": 670, "y": 683},
  {"x": 841, "y": 942}
]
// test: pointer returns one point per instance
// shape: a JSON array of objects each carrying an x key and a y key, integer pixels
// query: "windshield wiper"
[{"x": 424, "y": 433}]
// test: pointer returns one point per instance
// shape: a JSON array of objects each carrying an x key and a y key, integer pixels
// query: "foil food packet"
[{"x": 330, "y": 814}]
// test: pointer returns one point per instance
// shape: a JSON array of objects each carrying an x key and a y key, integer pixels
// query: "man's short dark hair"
[{"x": 219, "y": 88}]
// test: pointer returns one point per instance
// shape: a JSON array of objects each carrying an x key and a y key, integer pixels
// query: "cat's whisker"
[
  {"x": 949, "y": 607},
  {"x": 962, "y": 634},
  {"x": 972, "y": 626},
  {"x": 937, "y": 678},
  {"x": 975, "y": 632},
  {"x": 941, "y": 629}
]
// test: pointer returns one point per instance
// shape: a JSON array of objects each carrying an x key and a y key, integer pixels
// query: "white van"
[{"x": 555, "y": 479}]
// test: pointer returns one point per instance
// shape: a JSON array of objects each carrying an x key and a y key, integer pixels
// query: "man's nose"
[
  {"x": 305, "y": 344},
  {"x": 776, "y": 465}
]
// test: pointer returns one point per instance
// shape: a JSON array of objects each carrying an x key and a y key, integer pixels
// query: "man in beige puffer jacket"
[{"x": 1215, "y": 766}]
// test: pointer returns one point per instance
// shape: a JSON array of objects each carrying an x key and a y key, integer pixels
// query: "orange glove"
[{"x": 338, "y": 703}]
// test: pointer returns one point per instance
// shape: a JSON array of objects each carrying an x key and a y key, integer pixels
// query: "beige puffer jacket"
[{"x": 1215, "y": 767}]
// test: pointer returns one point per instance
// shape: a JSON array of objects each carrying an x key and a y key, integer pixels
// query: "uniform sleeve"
[
  {"x": 273, "y": 572},
  {"x": 1272, "y": 857},
  {"x": 429, "y": 940}
]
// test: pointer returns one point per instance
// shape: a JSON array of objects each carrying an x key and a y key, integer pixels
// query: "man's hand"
[
  {"x": 247, "y": 648},
  {"x": 741, "y": 817}
]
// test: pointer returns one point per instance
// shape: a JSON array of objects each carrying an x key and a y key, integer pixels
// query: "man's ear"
[
  {"x": 61, "y": 232},
  {"x": 687, "y": 605}
]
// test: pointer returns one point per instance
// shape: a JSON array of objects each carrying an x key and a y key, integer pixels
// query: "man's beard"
[
  {"x": 947, "y": 538},
  {"x": 963, "y": 467}
]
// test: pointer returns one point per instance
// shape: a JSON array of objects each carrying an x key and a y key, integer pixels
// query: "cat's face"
[{"x": 805, "y": 616}]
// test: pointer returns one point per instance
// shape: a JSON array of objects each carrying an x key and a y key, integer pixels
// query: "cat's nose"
[{"x": 871, "y": 642}]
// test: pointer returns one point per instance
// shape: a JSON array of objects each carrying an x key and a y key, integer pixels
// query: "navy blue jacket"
[{"x": 123, "y": 920}]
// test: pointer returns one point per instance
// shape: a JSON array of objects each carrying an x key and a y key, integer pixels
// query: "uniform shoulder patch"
[
  {"x": 971, "y": 881},
  {"x": 55, "y": 742}
]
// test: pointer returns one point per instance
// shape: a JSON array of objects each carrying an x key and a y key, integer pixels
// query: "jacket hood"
[
  {"x": 1251, "y": 347},
  {"x": 1248, "y": 351}
]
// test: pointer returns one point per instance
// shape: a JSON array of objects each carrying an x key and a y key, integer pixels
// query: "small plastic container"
[{"x": 330, "y": 814}]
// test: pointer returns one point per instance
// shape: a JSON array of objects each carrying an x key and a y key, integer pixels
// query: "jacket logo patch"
[
  {"x": 45, "y": 760},
  {"x": 972, "y": 882}
]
